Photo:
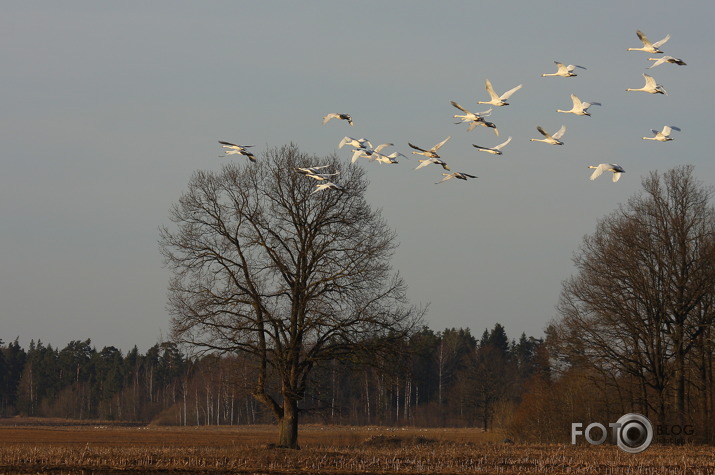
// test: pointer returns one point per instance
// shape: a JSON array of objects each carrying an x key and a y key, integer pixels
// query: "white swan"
[
  {"x": 390, "y": 159},
  {"x": 552, "y": 139},
  {"x": 607, "y": 167},
  {"x": 309, "y": 170},
  {"x": 424, "y": 163},
  {"x": 368, "y": 151},
  {"x": 333, "y": 115},
  {"x": 458, "y": 175},
  {"x": 564, "y": 71},
  {"x": 579, "y": 107},
  {"x": 357, "y": 143},
  {"x": 498, "y": 100},
  {"x": 234, "y": 149},
  {"x": 650, "y": 86},
  {"x": 327, "y": 186},
  {"x": 665, "y": 59},
  {"x": 494, "y": 150},
  {"x": 663, "y": 135},
  {"x": 649, "y": 47},
  {"x": 431, "y": 153},
  {"x": 474, "y": 119},
  {"x": 315, "y": 172}
]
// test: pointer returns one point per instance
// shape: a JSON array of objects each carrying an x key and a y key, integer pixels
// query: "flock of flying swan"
[{"x": 363, "y": 148}]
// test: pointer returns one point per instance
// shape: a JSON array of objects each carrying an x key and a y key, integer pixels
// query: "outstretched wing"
[
  {"x": 416, "y": 147},
  {"x": 662, "y": 42},
  {"x": 424, "y": 163},
  {"x": 499, "y": 147},
  {"x": 459, "y": 107},
  {"x": 436, "y": 147},
  {"x": 543, "y": 132},
  {"x": 597, "y": 172},
  {"x": 447, "y": 176},
  {"x": 559, "y": 133},
  {"x": 332, "y": 115},
  {"x": 511, "y": 91},
  {"x": 490, "y": 90},
  {"x": 644, "y": 39},
  {"x": 649, "y": 80}
]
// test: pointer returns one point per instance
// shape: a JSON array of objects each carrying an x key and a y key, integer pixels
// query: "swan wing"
[
  {"x": 503, "y": 144},
  {"x": 459, "y": 107},
  {"x": 383, "y": 145},
  {"x": 332, "y": 115},
  {"x": 559, "y": 133},
  {"x": 447, "y": 176},
  {"x": 511, "y": 91},
  {"x": 543, "y": 132},
  {"x": 658, "y": 61},
  {"x": 662, "y": 42},
  {"x": 644, "y": 39},
  {"x": 490, "y": 90},
  {"x": 437, "y": 147},
  {"x": 486, "y": 113},
  {"x": 424, "y": 163},
  {"x": 598, "y": 170},
  {"x": 416, "y": 147},
  {"x": 561, "y": 68}
]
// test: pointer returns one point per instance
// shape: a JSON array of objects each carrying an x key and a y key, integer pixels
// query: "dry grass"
[{"x": 325, "y": 450}]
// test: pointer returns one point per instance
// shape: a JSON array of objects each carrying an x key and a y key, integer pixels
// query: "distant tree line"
[{"x": 447, "y": 378}]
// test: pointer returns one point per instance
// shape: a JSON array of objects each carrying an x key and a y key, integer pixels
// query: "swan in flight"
[
  {"x": 649, "y": 47},
  {"x": 316, "y": 173},
  {"x": 564, "y": 71},
  {"x": 495, "y": 150},
  {"x": 474, "y": 119},
  {"x": 579, "y": 108},
  {"x": 424, "y": 163},
  {"x": 327, "y": 185},
  {"x": 665, "y": 59},
  {"x": 357, "y": 143},
  {"x": 498, "y": 100},
  {"x": 607, "y": 167},
  {"x": 333, "y": 115},
  {"x": 368, "y": 151},
  {"x": 310, "y": 170},
  {"x": 663, "y": 135},
  {"x": 390, "y": 159},
  {"x": 234, "y": 149},
  {"x": 553, "y": 139},
  {"x": 458, "y": 175},
  {"x": 431, "y": 153},
  {"x": 650, "y": 86}
]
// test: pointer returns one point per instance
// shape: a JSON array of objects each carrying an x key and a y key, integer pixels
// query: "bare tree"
[
  {"x": 644, "y": 277},
  {"x": 265, "y": 265}
]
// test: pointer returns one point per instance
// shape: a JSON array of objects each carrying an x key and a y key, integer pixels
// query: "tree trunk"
[{"x": 288, "y": 424}]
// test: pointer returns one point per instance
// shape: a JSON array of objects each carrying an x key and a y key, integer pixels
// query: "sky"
[{"x": 108, "y": 108}]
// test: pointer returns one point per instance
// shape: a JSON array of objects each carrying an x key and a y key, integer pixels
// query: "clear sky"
[{"x": 109, "y": 107}]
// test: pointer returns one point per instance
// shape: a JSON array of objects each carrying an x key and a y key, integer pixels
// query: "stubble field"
[{"x": 62, "y": 447}]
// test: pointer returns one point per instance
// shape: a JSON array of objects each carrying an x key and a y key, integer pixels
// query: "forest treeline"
[
  {"x": 527, "y": 387},
  {"x": 447, "y": 378}
]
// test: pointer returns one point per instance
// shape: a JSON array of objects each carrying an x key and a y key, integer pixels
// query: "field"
[{"x": 64, "y": 447}]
